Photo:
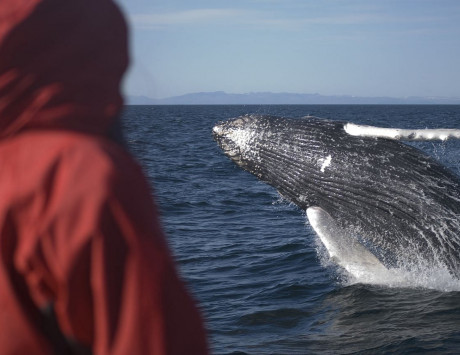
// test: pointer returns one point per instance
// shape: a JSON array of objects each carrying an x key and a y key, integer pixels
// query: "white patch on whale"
[
  {"x": 401, "y": 134},
  {"x": 325, "y": 163}
]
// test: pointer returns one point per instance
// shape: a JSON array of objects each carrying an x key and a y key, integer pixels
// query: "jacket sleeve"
[{"x": 115, "y": 286}]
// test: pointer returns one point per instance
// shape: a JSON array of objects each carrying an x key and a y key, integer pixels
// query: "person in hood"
[{"x": 84, "y": 265}]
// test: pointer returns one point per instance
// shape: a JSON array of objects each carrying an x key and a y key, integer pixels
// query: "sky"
[{"x": 395, "y": 48}]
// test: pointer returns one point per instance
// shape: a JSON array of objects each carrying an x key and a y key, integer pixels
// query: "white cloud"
[
  {"x": 199, "y": 16},
  {"x": 260, "y": 18}
]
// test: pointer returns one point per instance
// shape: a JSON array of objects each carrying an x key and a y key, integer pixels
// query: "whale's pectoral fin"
[
  {"x": 343, "y": 248},
  {"x": 442, "y": 134}
]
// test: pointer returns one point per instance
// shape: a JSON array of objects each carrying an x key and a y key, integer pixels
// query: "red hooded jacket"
[{"x": 84, "y": 266}]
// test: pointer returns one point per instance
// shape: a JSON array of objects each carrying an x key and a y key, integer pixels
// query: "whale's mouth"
[
  {"x": 219, "y": 131},
  {"x": 234, "y": 137},
  {"x": 222, "y": 134}
]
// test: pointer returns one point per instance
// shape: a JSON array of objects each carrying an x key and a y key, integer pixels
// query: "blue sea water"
[{"x": 251, "y": 260}]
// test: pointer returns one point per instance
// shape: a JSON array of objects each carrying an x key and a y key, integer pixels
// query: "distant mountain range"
[{"x": 266, "y": 98}]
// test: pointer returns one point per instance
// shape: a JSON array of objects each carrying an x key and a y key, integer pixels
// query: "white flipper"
[
  {"x": 343, "y": 249},
  {"x": 402, "y": 134}
]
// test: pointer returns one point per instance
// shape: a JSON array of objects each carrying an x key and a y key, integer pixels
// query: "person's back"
[{"x": 84, "y": 267}]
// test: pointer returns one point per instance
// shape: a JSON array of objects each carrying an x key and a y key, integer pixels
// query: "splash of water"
[{"x": 350, "y": 273}]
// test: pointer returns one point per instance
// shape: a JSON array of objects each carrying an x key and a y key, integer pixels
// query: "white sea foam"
[
  {"x": 430, "y": 278},
  {"x": 358, "y": 273},
  {"x": 402, "y": 134}
]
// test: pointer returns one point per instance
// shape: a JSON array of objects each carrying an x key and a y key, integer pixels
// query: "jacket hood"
[{"x": 61, "y": 63}]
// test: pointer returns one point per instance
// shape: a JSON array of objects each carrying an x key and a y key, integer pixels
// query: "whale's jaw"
[{"x": 237, "y": 138}]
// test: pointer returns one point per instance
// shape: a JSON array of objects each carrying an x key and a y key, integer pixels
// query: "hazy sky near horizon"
[{"x": 392, "y": 48}]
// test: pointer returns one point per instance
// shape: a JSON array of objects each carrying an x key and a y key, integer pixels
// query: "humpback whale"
[{"x": 373, "y": 200}]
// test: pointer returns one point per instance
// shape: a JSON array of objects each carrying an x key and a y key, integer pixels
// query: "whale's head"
[
  {"x": 282, "y": 152},
  {"x": 244, "y": 140},
  {"x": 238, "y": 138}
]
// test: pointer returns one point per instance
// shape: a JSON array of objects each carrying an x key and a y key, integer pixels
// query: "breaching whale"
[{"x": 373, "y": 201}]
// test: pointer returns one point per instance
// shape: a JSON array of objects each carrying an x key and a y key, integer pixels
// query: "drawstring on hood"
[{"x": 61, "y": 63}]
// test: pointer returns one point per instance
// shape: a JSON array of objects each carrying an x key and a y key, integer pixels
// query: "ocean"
[{"x": 253, "y": 263}]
